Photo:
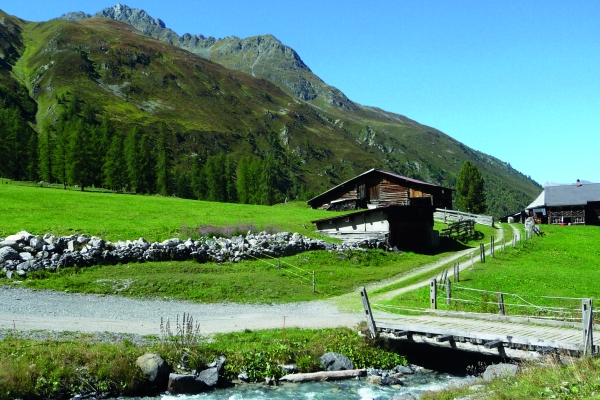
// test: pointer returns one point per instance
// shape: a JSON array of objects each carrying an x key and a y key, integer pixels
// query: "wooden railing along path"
[
  {"x": 452, "y": 215},
  {"x": 510, "y": 337}
]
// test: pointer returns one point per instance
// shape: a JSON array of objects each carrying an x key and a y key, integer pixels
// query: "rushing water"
[{"x": 415, "y": 384}]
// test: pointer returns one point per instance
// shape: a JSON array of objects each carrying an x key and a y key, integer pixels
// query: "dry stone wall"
[{"x": 24, "y": 252}]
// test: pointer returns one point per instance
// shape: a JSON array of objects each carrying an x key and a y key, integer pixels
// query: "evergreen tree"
[
  {"x": 230, "y": 180},
  {"x": 60, "y": 160},
  {"x": 133, "y": 158},
  {"x": 183, "y": 187},
  {"x": 14, "y": 139},
  {"x": 32, "y": 157},
  {"x": 268, "y": 182},
  {"x": 79, "y": 166},
  {"x": 115, "y": 166},
  {"x": 164, "y": 180},
  {"x": 147, "y": 179},
  {"x": 46, "y": 145},
  {"x": 243, "y": 180},
  {"x": 216, "y": 183},
  {"x": 199, "y": 178},
  {"x": 470, "y": 189}
]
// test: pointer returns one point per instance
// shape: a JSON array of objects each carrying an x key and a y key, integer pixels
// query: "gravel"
[{"x": 30, "y": 310}]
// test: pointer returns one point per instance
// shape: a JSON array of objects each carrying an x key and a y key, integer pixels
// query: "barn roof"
[
  {"x": 567, "y": 195},
  {"x": 390, "y": 175}
]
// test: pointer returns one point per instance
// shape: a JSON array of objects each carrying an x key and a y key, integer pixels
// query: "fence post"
[
  {"x": 501, "y": 303},
  {"x": 314, "y": 283},
  {"x": 492, "y": 246},
  {"x": 448, "y": 292},
  {"x": 587, "y": 317},
  {"x": 456, "y": 272},
  {"x": 433, "y": 294},
  {"x": 482, "y": 252},
  {"x": 367, "y": 307}
]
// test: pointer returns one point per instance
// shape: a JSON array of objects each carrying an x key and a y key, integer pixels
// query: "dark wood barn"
[
  {"x": 406, "y": 227},
  {"x": 376, "y": 188},
  {"x": 567, "y": 204}
]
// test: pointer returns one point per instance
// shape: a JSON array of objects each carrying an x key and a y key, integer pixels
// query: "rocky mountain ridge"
[
  {"x": 231, "y": 102},
  {"x": 262, "y": 56}
]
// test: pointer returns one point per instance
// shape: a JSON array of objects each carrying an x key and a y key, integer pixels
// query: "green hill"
[{"x": 256, "y": 100}]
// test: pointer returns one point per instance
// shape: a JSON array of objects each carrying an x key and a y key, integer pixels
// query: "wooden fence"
[{"x": 452, "y": 215}]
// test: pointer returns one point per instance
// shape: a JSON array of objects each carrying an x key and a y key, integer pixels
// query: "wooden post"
[
  {"x": 587, "y": 317},
  {"x": 448, "y": 292},
  {"x": 456, "y": 272},
  {"x": 367, "y": 307},
  {"x": 433, "y": 294},
  {"x": 501, "y": 303},
  {"x": 492, "y": 246},
  {"x": 314, "y": 283},
  {"x": 482, "y": 252}
]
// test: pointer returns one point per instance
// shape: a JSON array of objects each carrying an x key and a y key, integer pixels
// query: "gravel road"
[{"x": 26, "y": 310}]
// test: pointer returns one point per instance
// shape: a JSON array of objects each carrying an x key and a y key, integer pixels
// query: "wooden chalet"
[
  {"x": 401, "y": 226},
  {"x": 567, "y": 204},
  {"x": 376, "y": 188}
]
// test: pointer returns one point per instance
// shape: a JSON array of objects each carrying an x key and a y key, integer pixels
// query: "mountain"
[{"x": 230, "y": 95}]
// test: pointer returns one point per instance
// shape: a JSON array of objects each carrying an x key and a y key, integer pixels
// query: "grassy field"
[
  {"x": 564, "y": 263},
  {"x": 114, "y": 216},
  {"x": 122, "y": 216}
]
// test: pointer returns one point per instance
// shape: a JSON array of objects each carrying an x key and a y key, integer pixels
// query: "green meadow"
[
  {"x": 120, "y": 216},
  {"x": 543, "y": 276},
  {"x": 126, "y": 216}
]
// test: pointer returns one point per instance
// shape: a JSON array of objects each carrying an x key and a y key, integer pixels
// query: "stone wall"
[{"x": 23, "y": 252}]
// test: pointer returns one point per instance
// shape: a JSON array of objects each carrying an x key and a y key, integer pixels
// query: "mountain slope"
[{"x": 138, "y": 80}]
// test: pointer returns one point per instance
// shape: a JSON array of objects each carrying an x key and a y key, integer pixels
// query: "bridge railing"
[{"x": 452, "y": 215}]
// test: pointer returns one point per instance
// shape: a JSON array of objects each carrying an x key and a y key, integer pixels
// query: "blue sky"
[{"x": 519, "y": 80}]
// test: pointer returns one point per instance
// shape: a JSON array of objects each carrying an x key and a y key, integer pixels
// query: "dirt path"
[
  {"x": 415, "y": 272},
  {"x": 24, "y": 309}
]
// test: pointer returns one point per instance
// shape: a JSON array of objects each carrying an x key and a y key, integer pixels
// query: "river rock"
[
  {"x": 403, "y": 396},
  {"x": 154, "y": 366},
  {"x": 403, "y": 369},
  {"x": 502, "y": 370},
  {"x": 185, "y": 384},
  {"x": 374, "y": 380},
  {"x": 335, "y": 362},
  {"x": 209, "y": 376}
]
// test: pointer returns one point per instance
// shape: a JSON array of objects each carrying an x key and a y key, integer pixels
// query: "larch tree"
[{"x": 470, "y": 189}]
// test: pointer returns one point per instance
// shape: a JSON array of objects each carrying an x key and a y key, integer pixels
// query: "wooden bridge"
[{"x": 499, "y": 335}]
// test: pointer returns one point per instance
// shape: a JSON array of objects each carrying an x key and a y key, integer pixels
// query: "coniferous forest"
[{"x": 86, "y": 150}]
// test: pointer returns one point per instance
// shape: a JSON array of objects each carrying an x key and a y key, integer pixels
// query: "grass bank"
[
  {"x": 31, "y": 369},
  {"x": 124, "y": 216},
  {"x": 545, "y": 272},
  {"x": 259, "y": 281},
  {"x": 578, "y": 379}
]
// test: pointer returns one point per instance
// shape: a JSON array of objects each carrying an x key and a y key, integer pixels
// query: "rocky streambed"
[{"x": 25, "y": 252}]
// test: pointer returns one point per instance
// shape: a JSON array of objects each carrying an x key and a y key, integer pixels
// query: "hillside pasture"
[
  {"x": 544, "y": 276},
  {"x": 121, "y": 217},
  {"x": 115, "y": 216}
]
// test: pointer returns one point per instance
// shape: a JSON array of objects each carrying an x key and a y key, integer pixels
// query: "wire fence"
[
  {"x": 452, "y": 296},
  {"x": 303, "y": 276}
]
